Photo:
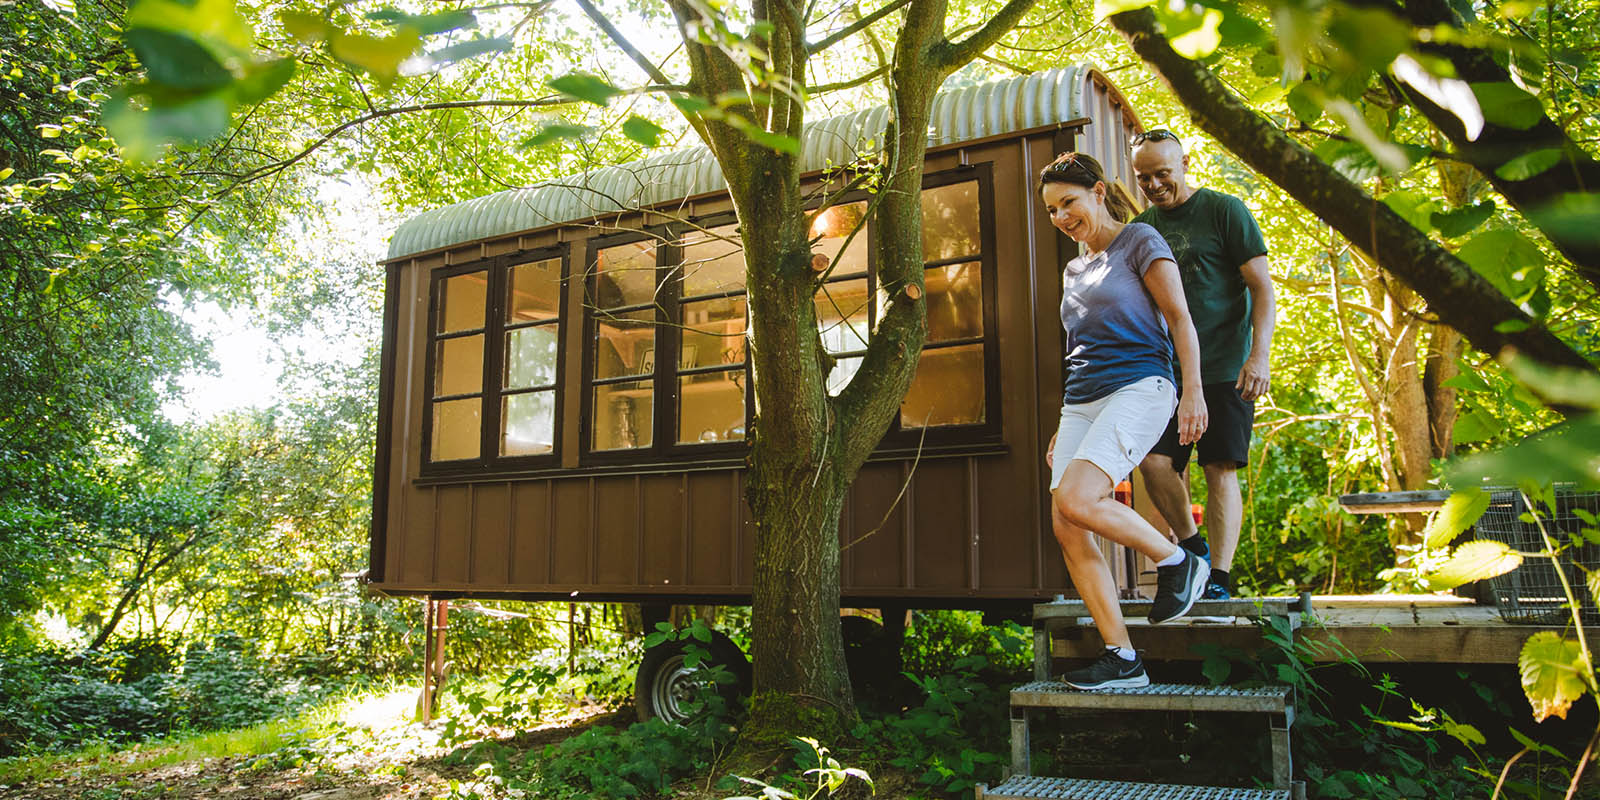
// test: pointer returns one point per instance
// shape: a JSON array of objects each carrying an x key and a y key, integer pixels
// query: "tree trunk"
[{"x": 1462, "y": 298}]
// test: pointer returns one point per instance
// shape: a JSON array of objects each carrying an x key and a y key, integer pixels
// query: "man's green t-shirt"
[{"x": 1213, "y": 235}]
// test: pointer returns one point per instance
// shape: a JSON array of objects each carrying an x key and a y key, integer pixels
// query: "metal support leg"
[
  {"x": 1041, "y": 652},
  {"x": 1019, "y": 742},
  {"x": 1282, "y": 762}
]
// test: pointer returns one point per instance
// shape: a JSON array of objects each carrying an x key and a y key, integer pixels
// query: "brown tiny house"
[{"x": 565, "y": 392}]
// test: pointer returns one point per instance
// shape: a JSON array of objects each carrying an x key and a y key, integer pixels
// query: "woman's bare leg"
[
  {"x": 1084, "y": 500},
  {"x": 1091, "y": 576}
]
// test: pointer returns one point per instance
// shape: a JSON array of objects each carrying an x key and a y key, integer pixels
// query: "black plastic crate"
[{"x": 1532, "y": 592}]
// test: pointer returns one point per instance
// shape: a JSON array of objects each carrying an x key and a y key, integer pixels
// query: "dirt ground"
[{"x": 393, "y": 763}]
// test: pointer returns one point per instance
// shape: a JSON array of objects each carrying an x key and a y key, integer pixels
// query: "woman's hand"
[
  {"x": 1050, "y": 452},
  {"x": 1192, "y": 416}
]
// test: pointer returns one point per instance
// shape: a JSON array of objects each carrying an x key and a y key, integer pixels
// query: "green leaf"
[
  {"x": 1474, "y": 561},
  {"x": 1533, "y": 746},
  {"x": 426, "y": 24},
  {"x": 691, "y": 104},
  {"x": 461, "y": 51},
  {"x": 1464, "y": 733},
  {"x": 1202, "y": 39},
  {"x": 306, "y": 27},
  {"x": 552, "y": 132},
  {"x": 141, "y": 133},
  {"x": 1105, "y": 8},
  {"x": 1570, "y": 218},
  {"x": 215, "y": 24},
  {"x": 1512, "y": 326},
  {"x": 1405, "y": 726},
  {"x": 1502, "y": 256},
  {"x": 1553, "y": 671},
  {"x": 380, "y": 56},
  {"x": 176, "y": 61},
  {"x": 1351, "y": 160},
  {"x": 1464, "y": 220},
  {"x": 1373, "y": 37},
  {"x": 774, "y": 141},
  {"x": 261, "y": 81},
  {"x": 1460, "y": 511},
  {"x": 1305, "y": 102},
  {"x": 1508, "y": 105},
  {"x": 583, "y": 86},
  {"x": 1216, "y": 669},
  {"x": 1528, "y": 165},
  {"x": 1560, "y": 385},
  {"x": 1412, "y": 206},
  {"x": 643, "y": 131}
]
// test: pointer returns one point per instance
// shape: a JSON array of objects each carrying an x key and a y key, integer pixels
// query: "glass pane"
[
  {"x": 711, "y": 407},
  {"x": 834, "y": 226},
  {"x": 712, "y": 265},
  {"x": 948, "y": 388},
  {"x": 713, "y": 333},
  {"x": 842, "y": 315},
  {"x": 624, "y": 415},
  {"x": 528, "y": 424},
  {"x": 955, "y": 301},
  {"x": 458, "y": 366},
  {"x": 534, "y": 291},
  {"x": 950, "y": 221},
  {"x": 531, "y": 357},
  {"x": 626, "y": 275},
  {"x": 461, "y": 301},
  {"x": 625, "y": 344},
  {"x": 456, "y": 429},
  {"x": 843, "y": 370}
]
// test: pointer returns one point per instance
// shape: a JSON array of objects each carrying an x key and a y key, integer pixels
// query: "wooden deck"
[{"x": 1374, "y": 628}]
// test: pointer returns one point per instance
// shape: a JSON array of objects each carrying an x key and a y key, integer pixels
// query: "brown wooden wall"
[{"x": 972, "y": 527}]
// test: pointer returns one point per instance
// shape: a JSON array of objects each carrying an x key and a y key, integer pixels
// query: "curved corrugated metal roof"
[{"x": 963, "y": 114}]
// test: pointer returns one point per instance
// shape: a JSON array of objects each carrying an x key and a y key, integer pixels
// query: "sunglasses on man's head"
[{"x": 1157, "y": 135}]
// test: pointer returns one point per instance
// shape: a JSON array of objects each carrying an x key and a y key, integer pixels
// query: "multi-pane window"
[
  {"x": 711, "y": 336},
  {"x": 494, "y": 362},
  {"x": 624, "y": 301}
]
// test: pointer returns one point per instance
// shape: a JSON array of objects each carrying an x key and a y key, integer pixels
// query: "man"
[{"x": 1228, "y": 285}]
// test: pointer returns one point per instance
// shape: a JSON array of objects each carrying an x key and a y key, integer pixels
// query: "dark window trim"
[{"x": 493, "y": 391}]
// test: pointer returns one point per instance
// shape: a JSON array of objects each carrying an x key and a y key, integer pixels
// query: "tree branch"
[
  {"x": 1463, "y": 299},
  {"x": 956, "y": 56},
  {"x": 854, "y": 27}
]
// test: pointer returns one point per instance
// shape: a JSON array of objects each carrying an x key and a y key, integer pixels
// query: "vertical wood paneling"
[
  {"x": 530, "y": 536},
  {"x": 491, "y": 534},
  {"x": 878, "y": 545},
  {"x": 939, "y": 516},
  {"x": 417, "y": 537},
  {"x": 455, "y": 530},
  {"x": 570, "y": 536},
  {"x": 712, "y": 526},
  {"x": 744, "y": 533},
  {"x": 616, "y": 539},
  {"x": 661, "y": 544}
]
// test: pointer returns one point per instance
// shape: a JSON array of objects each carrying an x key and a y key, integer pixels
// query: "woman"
[{"x": 1120, "y": 298}]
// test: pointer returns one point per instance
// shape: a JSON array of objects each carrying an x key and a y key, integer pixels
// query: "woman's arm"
[{"x": 1167, "y": 289}]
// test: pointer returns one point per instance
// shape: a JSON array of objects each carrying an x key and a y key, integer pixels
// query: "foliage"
[
  {"x": 945, "y": 742},
  {"x": 830, "y": 776},
  {"x": 939, "y": 642}
]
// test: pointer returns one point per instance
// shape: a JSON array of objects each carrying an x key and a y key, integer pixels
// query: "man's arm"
[{"x": 1255, "y": 376}]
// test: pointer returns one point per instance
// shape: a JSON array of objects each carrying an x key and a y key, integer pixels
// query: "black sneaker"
[
  {"x": 1109, "y": 671},
  {"x": 1178, "y": 586}
]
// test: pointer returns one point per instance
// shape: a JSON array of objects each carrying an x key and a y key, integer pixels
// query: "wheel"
[{"x": 665, "y": 684}]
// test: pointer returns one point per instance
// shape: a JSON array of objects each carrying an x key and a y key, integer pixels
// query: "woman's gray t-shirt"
[{"x": 1115, "y": 333}]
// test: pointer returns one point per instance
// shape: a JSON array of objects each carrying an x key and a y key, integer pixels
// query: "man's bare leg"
[
  {"x": 1169, "y": 491},
  {"x": 1224, "y": 513}
]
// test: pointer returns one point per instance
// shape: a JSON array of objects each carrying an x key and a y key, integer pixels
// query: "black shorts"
[{"x": 1227, "y": 436}]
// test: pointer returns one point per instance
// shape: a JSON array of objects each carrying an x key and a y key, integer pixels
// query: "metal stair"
[
  {"x": 1044, "y": 695},
  {"x": 1025, "y": 786}
]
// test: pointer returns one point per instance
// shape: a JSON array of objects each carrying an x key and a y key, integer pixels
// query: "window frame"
[
  {"x": 493, "y": 391},
  {"x": 665, "y": 397}
]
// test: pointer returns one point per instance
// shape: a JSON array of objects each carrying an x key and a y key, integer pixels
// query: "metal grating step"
[
  {"x": 1248, "y": 608},
  {"x": 1024, "y": 787},
  {"x": 1155, "y": 697}
]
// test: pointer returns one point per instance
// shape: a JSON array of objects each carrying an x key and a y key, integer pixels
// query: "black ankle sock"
[
  {"x": 1221, "y": 577},
  {"x": 1196, "y": 544}
]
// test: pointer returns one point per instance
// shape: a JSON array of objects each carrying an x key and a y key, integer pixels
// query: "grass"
[{"x": 367, "y": 706}]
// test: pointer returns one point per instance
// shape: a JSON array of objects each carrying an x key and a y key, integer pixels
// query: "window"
[
  {"x": 494, "y": 362},
  {"x": 667, "y": 371}
]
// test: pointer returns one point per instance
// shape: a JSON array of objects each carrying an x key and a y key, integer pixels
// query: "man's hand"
[
  {"x": 1050, "y": 452},
  {"x": 1254, "y": 378},
  {"x": 1193, "y": 417}
]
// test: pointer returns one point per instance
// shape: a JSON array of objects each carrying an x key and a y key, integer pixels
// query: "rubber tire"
[{"x": 662, "y": 681}]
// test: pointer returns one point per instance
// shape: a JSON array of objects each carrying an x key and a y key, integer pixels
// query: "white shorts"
[{"x": 1115, "y": 432}]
